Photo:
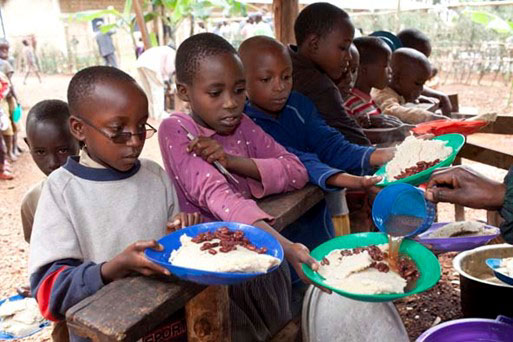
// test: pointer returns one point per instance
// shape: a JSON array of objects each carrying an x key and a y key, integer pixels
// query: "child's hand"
[
  {"x": 369, "y": 183},
  {"x": 132, "y": 259},
  {"x": 182, "y": 220},
  {"x": 298, "y": 254},
  {"x": 209, "y": 149}
]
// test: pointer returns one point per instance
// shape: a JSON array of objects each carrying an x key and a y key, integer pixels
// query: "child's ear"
[
  {"x": 312, "y": 43},
  {"x": 76, "y": 127},
  {"x": 182, "y": 92}
]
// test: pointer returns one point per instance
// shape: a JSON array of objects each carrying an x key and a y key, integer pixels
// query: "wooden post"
[
  {"x": 139, "y": 17},
  {"x": 208, "y": 316},
  {"x": 285, "y": 13}
]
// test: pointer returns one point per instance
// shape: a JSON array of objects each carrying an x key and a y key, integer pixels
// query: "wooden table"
[{"x": 130, "y": 308}]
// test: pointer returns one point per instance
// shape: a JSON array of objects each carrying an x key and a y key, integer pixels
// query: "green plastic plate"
[
  {"x": 426, "y": 262},
  {"x": 455, "y": 141}
]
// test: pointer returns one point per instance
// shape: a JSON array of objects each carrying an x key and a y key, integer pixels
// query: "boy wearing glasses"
[{"x": 94, "y": 208}]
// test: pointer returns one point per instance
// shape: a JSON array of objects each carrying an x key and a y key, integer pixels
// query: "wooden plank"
[
  {"x": 285, "y": 13},
  {"x": 486, "y": 155},
  {"x": 130, "y": 308},
  {"x": 208, "y": 316},
  {"x": 288, "y": 207}
]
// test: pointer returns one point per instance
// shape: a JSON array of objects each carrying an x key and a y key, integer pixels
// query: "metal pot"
[
  {"x": 333, "y": 318},
  {"x": 482, "y": 294}
]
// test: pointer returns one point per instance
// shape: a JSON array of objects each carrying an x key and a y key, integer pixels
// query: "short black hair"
[
  {"x": 371, "y": 49},
  {"x": 410, "y": 37},
  {"x": 55, "y": 111},
  {"x": 83, "y": 83},
  {"x": 196, "y": 48},
  {"x": 318, "y": 18}
]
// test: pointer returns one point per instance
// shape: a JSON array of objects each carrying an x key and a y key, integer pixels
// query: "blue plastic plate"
[
  {"x": 171, "y": 242},
  {"x": 5, "y": 336},
  {"x": 494, "y": 264}
]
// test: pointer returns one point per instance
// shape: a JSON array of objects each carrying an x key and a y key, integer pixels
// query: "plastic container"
[
  {"x": 427, "y": 264},
  {"x": 471, "y": 329},
  {"x": 17, "y": 113},
  {"x": 356, "y": 321},
  {"x": 454, "y": 141},
  {"x": 454, "y": 244},
  {"x": 402, "y": 200},
  {"x": 494, "y": 264},
  {"x": 171, "y": 242}
]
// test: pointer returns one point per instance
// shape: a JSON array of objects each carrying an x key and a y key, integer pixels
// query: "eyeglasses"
[{"x": 124, "y": 137}]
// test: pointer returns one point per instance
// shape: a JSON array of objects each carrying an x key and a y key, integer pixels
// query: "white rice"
[
  {"x": 413, "y": 150},
  {"x": 470, "y": 228}
]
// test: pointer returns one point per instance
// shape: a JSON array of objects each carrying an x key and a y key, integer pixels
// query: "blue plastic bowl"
[
  {"x": 7, "y": 337},
  {"x": 402, "y": 199},
  {"x": 171, "y": 242},
  {"x": 494, "y": 264}
]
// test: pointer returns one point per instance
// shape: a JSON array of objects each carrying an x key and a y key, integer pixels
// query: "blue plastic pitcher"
[{"x": 403, "y": 206}]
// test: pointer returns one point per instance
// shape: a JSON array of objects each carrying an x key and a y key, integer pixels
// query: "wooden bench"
[{"x": 130, "y": 308}]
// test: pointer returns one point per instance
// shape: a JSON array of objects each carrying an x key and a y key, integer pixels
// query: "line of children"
[
  {"x": 94, "y": 208},
  {"x": 410, "y": 70},
  {"x": 373, "y": 72},
  {"x": 210, "y": 78}
]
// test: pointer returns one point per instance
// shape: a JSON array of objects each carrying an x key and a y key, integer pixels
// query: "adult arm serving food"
[{"x": 463, "y": 185}]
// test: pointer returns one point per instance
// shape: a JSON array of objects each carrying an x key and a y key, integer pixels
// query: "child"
[
  {"x": 210, "y": 78},
  {"x": 293, "y": 120},
  {"x": 30, "y": 60},
  {"x": 416, "y": 39},
  {"x": 93, "y": 208},
  {"x": 5, "y": 127},
  {"x": 10, "y": 135},
  {"x": 324, "y": 34},
  {"x": 410, "y": 70},
  {"x": 348, "y": 79},
  {"x": 373, "y": 72},
  {"x": 50, "y": 142}
]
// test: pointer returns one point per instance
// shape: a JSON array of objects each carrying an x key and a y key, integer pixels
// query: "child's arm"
[
  {"x": 345, "y": 180},
  {"x": 182, "y": 220},
  {"x": 296, "y": 254},
  {"x": 210, "y": 150},
  {"x": 329, "y": 178},
  {"x": 332, "y": 147},
  {"x": 200, "y": 182},
  {"x": 63, "y": 283},
  {"x": 280, "y": 170},
  {"x": 60, "y": 277},
  {"x": 391, "y": 106}
]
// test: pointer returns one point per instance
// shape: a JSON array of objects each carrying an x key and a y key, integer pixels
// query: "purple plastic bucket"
[{"x": 471, "y": 329}]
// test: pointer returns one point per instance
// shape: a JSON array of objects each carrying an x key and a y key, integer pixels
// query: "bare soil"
[{"x": 418, "y": 312}]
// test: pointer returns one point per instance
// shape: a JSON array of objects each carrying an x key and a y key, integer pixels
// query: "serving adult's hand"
[{"x": 463, "y": 185}]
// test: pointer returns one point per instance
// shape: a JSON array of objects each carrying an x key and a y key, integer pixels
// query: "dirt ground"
[{"x": 443, "y": 299}]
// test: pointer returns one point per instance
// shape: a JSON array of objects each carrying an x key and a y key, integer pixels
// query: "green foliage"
[{"x": 202, "y": 9}]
